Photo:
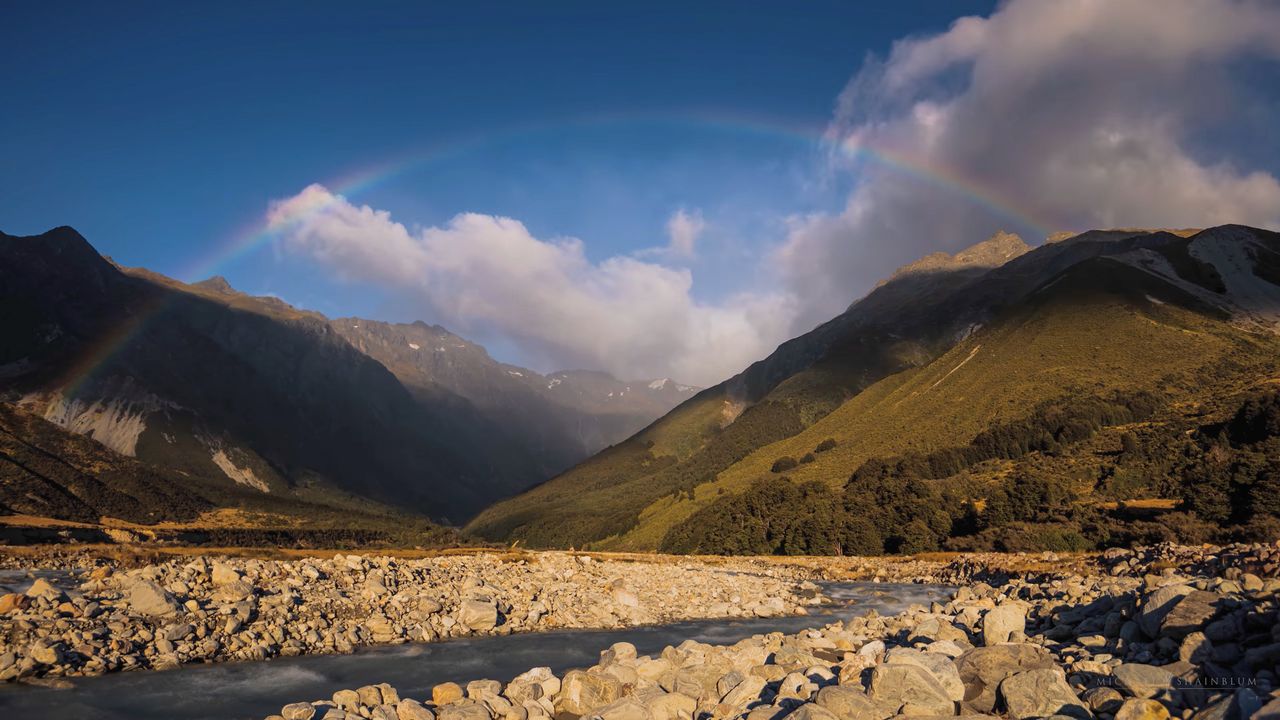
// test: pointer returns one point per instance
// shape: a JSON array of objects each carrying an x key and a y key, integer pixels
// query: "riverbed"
[{"x": 230, "y": 691}]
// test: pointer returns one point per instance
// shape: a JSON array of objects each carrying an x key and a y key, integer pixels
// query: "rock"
[
  {"x": 899, "y": 685},
  {"x": 1040, "y": 694},
  {"x": 348, "y": 700},
  {"x": 446, "y": 693},
  {"x": 1139, "y": 709},
  {"x": 582, "y": 692},
  {"x": 298, "y": 711},
  {"x": 1157, "y": 606},
  {"x": 1142, "y": 681},
  {"x": 42, "y": 589},
  {"x": 1195, "y": 648},
  {"x": 847, "y": 703},
  {"x": 1001, "y": 622},
  {"x": 9, "y": 602},
  {"x": 940, "y": 666},
  {"x": 478, "y": 615},
  {"x": 147, "y": 598},
  {"x": 45, "y": 654},
  {"x": 463, "y": 710},
  {"x": 744, "y": 693},
  {"x": 810, "y": 711},
  {"x": 982, "y": 669},
  {"x": 413, "y": 710},
  {"x": 1103, "y": 699},
  {"x": 1189, "y": 613},
  {"x": 223, "y": 574},
  {"x": 618, "y": 652},
  {"x": 627, "y": 708}
]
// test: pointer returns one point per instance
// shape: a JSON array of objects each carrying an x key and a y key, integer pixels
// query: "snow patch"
[
  {"x": 415, "y": 346},
  {"x": 554, "y": 382},
  {"x": 242, "y": 476},
  {"x": 659, "y": 384},
  {"x": 513, "y": 373},
  {"x": 1157, "y": 301}
]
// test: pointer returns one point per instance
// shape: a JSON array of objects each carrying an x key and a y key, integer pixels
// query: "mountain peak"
[
  {"x": 992, "y": 252},
  {"x": 217, "y": 284}
]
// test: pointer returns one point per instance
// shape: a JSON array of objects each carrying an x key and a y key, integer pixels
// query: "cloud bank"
[
  {"x": 633, "y": 318},
  {"x": 1047, "y": 115}
]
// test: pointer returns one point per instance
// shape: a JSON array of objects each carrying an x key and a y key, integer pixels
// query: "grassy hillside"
[{"x": 925, "y": 362}]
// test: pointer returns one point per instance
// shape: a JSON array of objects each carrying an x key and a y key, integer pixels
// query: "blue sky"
[
  {"x": 165, "y": 132},
  {"x": 159, "y": 130}
]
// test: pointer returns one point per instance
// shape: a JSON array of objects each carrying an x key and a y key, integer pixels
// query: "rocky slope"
[{"x": 942, "y": 351}]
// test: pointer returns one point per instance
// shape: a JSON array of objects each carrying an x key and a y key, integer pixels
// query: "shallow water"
[{"x": 227, "y": 691}]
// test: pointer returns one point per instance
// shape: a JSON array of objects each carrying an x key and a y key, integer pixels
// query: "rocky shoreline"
[
  {"x": 215, "y": 609},
  {"x": 1140, "y": 640}
]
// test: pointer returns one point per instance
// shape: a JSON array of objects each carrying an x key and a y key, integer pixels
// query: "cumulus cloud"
[
  {"x": 635, "y": 319},
  {"x": 1047, "y": 115}
]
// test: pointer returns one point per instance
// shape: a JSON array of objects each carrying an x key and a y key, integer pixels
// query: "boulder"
[
  {"x": 1039, "y": 694},
  {"x": 413, "y": 710},
  {"x": 1142, "y": 681},
  {"x": 582, "y": 692},
  {"x": 1140, "y": 709},
  {"x": 627, "y": 708},
  {"x": 899, "y": 685},
  {"x": 1189, "y": 613},
  {"x": 224, "y": 574},
  {"x": 982, "y": 669},
  {"x": 744, "y": 693},
  {"x": 298, "y": 711},
  {"x": 847, "y": 703},
  {"x": 1157, "y": 606},
  {"x": 940, "y": 666},
  {"x": 1001, "y": 622},
  {"x": 446, "y": 693},
  {"x": 147, "y": 598},
  {"x": 478, "y": 614},
  {"x": 810, "y": 711},
  {"x": 41, "y": 588}
]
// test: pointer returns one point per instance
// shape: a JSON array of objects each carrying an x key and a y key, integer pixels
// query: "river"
[{"x": 230, "y": 691}]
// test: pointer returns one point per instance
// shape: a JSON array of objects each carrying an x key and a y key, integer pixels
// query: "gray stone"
[
  {"x": 1157, "y": 606},
  {"x": 1040, "y": 694},
  {"x": 478, "y": 614},
  {"x": 982, "y": 669},
  {"x": 147, "y": 598},
  {"x": 1001, "y": 622},
  {"x": 1142, "y": 681},
  {"x": 909, "y": 685},
  {"x": 940, "y": 666},
  {"x": 581, "y": 692}
]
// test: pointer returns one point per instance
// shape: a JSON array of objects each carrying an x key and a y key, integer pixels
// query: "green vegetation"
[{"x": 1229, "y": 483}]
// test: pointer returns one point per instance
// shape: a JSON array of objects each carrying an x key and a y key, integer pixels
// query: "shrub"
[
  {"x": 808, "y": 458},
  {"x": 825, "y": 445},
  {"x": 783, "y": 464}
]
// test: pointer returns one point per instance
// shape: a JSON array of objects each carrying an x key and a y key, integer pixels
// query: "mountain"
[
  {"x": 245, "y": 393},
  {"x": 225, "y": 387},
  {"x": 562, "y": 418},
  {"x": 1093, "y": 332}
]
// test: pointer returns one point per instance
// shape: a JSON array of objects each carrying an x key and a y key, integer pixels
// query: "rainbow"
[{"x": 255, "y": 234}]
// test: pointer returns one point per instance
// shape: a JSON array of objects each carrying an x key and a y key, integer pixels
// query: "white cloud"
[
  {"x": 1047, "y": 115},
  {"x": 683, "y": 230},
  {"x": 479, "y": 272}
]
